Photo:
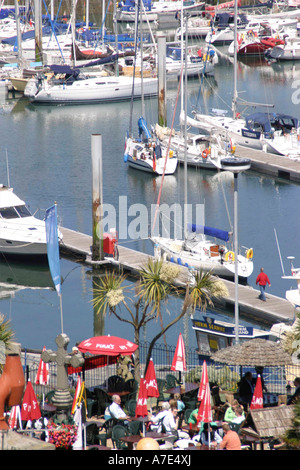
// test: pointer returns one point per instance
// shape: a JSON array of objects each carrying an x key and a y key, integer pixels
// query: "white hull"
[
  {"x": 139, "y": 156},
  {"x": 161, "y": 12},
  {"x": 203, "y": 258},
  {"x": 91, "y": 90}
]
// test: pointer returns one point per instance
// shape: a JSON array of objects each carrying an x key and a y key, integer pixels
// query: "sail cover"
[
  {"x": 213, "y": 232},
  {"x": 143, "y": 128}
]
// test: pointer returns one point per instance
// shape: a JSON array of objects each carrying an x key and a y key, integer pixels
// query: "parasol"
[
  {"x": 204, "y": 381},
  {"x": 42, "y": 376},
  {"x": 257, "y": 398},
  {"x": 30, "y": 407},
  {"x": 151, "y": 382},
  {"x": 179, "y": 362},
  {"x": 204, "y": 412},
  {"x": 108, "y": 345},
  {"x": 141, "y": 405},
  {"x": 254, "y": 352}
]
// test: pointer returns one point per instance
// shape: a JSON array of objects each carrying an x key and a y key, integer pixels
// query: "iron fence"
[{"x": 276, "y": 379}]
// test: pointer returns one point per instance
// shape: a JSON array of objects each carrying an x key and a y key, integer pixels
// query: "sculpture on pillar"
[
  {"x": 62, "y": 398},
  {"x": 12, "y": 382}
]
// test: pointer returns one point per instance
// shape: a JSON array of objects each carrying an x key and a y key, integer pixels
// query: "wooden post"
[{"x": 97, "y": 248}]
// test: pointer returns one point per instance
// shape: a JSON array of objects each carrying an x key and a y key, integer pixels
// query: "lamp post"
[{"x": 236, "y": 166}]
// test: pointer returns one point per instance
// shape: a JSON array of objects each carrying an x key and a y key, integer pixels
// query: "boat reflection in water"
[{"x": 16, "y": 276}]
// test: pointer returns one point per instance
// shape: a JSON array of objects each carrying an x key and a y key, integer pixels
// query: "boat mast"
[
  {"x": 234, "y": 99},
  {"x": 185, "y": 214}
]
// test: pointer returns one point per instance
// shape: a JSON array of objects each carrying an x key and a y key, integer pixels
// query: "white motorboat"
[
  {"x": 202, "y": 253},
  {"x": 148, "y": 154},
  {"x": 199, "y": 62},
  {"x": 75, "y": 88},
  {"x": 290, "y": 50},
  {"x": 162, "y": 11},
  {"x": 22, "y": 234}
]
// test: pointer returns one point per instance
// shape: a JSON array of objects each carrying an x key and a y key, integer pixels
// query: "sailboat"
[
  {"x": 146, "y": 153},
  {"x": 293, "y": 295},
  {"x": 268, "y": 131},
  {"x": 198, "y": 252}
]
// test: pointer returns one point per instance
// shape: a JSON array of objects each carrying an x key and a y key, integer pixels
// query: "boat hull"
[{"x": 94, "y": 90}]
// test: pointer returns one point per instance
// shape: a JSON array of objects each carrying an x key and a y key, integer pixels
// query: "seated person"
[
  {"x": 239, "y": 415},
  {"x": 157, "y": 420},
  {"x": 230, "y": 412},
  {"x": 209, "y": 435},
  {"x": 193, "y": 416},
  {"x": 231, "y": 440},
  {"x": 116, "y": 411},
  {"x": 171, "y": 422}
]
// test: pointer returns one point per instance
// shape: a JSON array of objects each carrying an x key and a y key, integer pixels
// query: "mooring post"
[{"x": 97, "y": 248}]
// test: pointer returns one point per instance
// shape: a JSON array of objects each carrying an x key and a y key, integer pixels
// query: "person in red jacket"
[{"x": 262, "y": 279}]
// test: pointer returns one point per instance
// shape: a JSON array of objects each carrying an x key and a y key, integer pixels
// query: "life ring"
[
  {"x": 205, "y": 153},
  {"x": 249, "y": 253},
  {"x": 229, "y": 256}
]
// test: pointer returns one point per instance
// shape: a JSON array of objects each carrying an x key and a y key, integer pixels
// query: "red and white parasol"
[
  {"x": 77, "y": 394},
  {"x": 42, "y": 376},
  {"x": 151, "y": 382},
  {"x": 204, "y": 381},
  {"x": 108, "y": 345},
  {"x": 257, "y": 398},
  {"x": 179, "y": 362},
  {"x": 204, "y": 412},
  {"x": 141, "y": 405},
  {"x": 15, "y": 417},
  {"x": 30, "y": 407}
]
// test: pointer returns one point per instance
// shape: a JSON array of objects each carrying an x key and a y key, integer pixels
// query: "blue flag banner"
[{"x": 52, "y": 246}]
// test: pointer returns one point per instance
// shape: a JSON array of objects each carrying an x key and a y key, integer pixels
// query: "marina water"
[{"x": 47, "y": 150}]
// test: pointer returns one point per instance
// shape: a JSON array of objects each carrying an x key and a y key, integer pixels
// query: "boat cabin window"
[{"x": 14, "y": 212}]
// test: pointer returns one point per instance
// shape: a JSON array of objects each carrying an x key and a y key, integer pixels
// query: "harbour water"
[{"x": 48, "y": 152}]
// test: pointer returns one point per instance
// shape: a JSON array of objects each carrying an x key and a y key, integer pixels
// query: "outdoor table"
[
  {"x": 188, "y": 387},
  {"x": 131, "y": 440}
]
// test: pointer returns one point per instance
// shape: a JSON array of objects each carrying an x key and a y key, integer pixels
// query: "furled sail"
[{"x": 213, "y": 232}]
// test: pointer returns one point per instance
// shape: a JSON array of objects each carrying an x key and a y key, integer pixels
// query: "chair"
[
  {"x": 91, "y": 433},
  {"x": 131, "y": 385},
  {"x": 171, "y": 381},
  {"x": 235, "y": 427},
  {"x": 190, "y": 399},
  {"x": 49, "y": 396},
  {"x": 187, "y": 414},
  {"x": 134, "y": 427},
  {"x": 117, "y": 432},
  {"x": 107, "y": 427},
  {"x": 161, "y": 384},
  {"x": 131, "y": 407},
  {"x": 115, "y": 383},
  {"x": 103, "y": 401}
]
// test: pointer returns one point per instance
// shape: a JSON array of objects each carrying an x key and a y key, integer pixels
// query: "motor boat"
[{"x": 22, "y": 234}]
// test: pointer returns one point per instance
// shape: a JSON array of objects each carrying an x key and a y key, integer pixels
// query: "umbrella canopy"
[
  {"x": 257, "y": 398},
  {"x": 204, "y": 412},
  {"x": 30, "y": 407},
  {"x": 254, "y": 352},
  {"x": 42, "y": 376},
  {"x": 179, "y": 362},
  {"x": 151, "y": 382},
  {"x": 108, "y": 345},
  {"x": 204, "y": 381},
  {"x": 141, "y": 405},
  {"x": 15, "y": 417}
]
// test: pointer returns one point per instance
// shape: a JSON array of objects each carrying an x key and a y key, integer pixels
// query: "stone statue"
[{"x": 62, "y": 398}]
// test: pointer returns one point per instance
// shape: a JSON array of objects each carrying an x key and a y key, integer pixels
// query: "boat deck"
[{"x": 276, "y": 309}]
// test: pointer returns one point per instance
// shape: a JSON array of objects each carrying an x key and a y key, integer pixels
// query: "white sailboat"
[
  {"x": 145, "y": 152},
  {"x": 198, "y": 252},
  {"x": 293, "y": 295}
]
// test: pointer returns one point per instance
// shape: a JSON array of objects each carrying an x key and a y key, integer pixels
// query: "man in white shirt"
[{"x": 116, "y": 410}]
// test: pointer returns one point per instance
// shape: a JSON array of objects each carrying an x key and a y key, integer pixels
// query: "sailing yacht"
[{"x": 271, "y": 132}]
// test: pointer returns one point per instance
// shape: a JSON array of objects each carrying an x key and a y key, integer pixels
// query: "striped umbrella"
[
  {"x": 42, "y": 376},
  {"x": 15, "y": 417}
]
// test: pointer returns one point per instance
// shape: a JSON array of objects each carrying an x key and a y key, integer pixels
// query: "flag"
[
  {"x": 257, "y": 398},
  {"x": 52, "y": 246}
]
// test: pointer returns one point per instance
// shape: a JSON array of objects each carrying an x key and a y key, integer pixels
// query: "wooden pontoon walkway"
[
  {"x": 271, "y": 164},
  {"x": 275, "y": 310}
]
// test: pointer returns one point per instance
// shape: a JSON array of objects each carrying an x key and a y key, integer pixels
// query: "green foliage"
[
  {"x": 224, "y": 377},
  {"x": 6, "y": 336},
  {"x": 292, "y": 436}
]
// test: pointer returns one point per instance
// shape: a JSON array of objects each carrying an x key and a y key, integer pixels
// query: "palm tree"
[
  {"x": 6, "y": 335},
  {"x": 156, "y": 283}
]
